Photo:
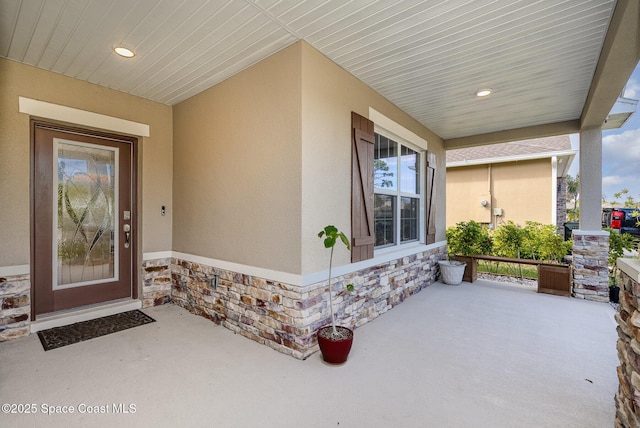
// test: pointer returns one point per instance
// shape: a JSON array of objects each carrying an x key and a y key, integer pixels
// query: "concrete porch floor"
[{"x": 474, "y": 355}]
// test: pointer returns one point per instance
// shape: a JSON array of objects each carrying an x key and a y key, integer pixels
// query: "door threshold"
[{"x": 59, "y": 319}]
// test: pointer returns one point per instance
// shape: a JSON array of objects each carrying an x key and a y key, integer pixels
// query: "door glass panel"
[{"x": 85, "y": 224}]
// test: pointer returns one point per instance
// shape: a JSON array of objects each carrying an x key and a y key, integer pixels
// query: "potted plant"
[
  {"x": 334, "y": 341},
  {"x": 452, "y": 271},
  {"x": 618, "y": 242}
]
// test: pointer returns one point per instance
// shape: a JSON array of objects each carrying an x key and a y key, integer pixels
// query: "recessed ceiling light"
[
  {"x": 127, "y": 53},
  {"x": 484, "y": 92}
]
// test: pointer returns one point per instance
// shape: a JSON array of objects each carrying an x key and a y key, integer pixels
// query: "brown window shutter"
[
  {"x": 430, "y": 198},
  {"x": 362, "y": 232}
]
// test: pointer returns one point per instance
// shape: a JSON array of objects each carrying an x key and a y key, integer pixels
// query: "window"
[{"x": 397, "y": 182}]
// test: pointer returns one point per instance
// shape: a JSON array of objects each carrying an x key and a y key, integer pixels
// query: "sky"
[{"x": 620, "y": 151}]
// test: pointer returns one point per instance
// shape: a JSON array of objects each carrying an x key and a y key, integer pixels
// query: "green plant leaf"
[
  {"x": 332, "y": 235},
  {"x": 344, "y": 240},
  {"x": 330, "y": 230},
  {"x": 329, "y": 241}
]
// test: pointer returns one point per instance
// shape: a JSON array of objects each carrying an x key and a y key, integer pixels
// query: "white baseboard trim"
[
  {"x": 383, "y": 256},
  {"x": 287, "y": 278},
  {"x": 15, "y": 270},
  {"x": 157, "y": 255}
]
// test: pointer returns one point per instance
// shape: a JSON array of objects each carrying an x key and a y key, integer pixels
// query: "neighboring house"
[{"x": 516, "y": 181}]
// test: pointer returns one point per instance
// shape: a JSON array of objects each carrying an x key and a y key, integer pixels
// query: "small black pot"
[{"x": 614, "y": 294}]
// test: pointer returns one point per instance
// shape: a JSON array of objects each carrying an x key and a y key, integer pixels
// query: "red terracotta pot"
[{"x": 335, "y": 351}]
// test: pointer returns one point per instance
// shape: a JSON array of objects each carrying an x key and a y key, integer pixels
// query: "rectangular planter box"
[
  {"x": 471, "y": 270},
  {"x": 554, "y": 279}
]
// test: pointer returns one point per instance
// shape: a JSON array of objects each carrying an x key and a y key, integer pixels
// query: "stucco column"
[
  {"x": 590, "y": 242},
  {"x": 591, "y": 179}
]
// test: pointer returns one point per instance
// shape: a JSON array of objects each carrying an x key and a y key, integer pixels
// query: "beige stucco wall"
[
  {"x": 237, "y": 169},
  {"x": 155, "y": 152},
  {"x": 262, "y": 162},
  {"x": 239, "y": 182},
  {"x": 466, "y": 188},
  {"x": 329, "y": 95},
  {"x": 523, "y": 189}
]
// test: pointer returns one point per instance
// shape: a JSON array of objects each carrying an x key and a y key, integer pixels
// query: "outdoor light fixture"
[
  {"x": 483, "y": 92},
  {"x": 484, "y": 203},
  {"x": 124, "y": 52},
  {"x": 213, "y": 282}
]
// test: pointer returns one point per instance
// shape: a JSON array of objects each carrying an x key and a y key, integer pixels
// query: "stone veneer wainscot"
[
  {"x": 628, "y": 317},
  {"x": 15, "y": 306},
  {"x": 286, "y": 317},
  {"x": 282, "y": 316},
  {"x": 591, "y": 265},
  {"x": 156, "y": 282},
  {"x": 15, "y": 296}
]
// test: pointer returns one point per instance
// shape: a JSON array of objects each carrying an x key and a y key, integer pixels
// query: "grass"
[{"x": 510, "y": 269}]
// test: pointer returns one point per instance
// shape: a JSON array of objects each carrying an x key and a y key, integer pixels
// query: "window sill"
[
  {"x": 399, "y": 251},
  {"x": 379, "y": 257},
  {"x": 393, "y": 253}
]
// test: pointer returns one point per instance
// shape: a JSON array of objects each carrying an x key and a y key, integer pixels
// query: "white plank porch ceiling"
[{"x": 427, "y": 57}]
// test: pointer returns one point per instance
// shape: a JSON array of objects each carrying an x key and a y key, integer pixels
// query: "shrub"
[
  {"x": 542, "y": 242},
  {"x": 468, "y": 238},
  {"x": 507, "y": 240},
  {"x": 618, "y": 242},
  {"x": 535, "y": 241}
]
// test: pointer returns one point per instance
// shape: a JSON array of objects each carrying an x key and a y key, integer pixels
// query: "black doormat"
[{"x": 69, "y": 334}]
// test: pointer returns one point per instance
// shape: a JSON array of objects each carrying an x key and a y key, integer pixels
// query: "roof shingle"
[{"x": 511, "y": 149}]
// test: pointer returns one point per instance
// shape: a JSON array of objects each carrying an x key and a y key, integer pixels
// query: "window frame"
[{"x": 399, "y": 194}]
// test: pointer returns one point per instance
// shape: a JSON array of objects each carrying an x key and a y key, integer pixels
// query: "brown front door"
[{"x": 83, "y": 244}]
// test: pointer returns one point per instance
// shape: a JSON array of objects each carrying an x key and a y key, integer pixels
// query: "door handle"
[{"x": 127, "y": 234}]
